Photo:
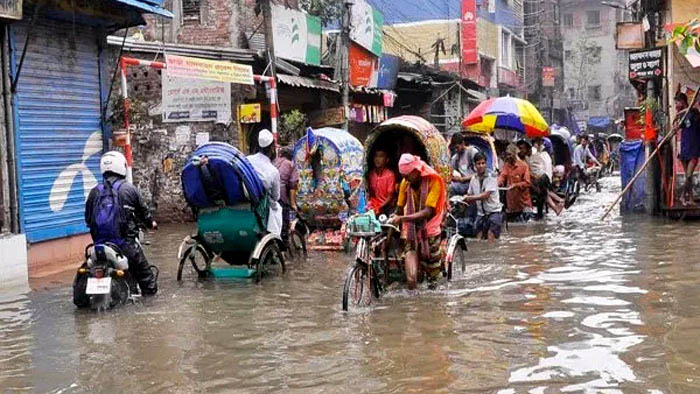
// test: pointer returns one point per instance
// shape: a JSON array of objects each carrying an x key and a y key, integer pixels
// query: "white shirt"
[
  {"x": 268, "y": 173},
  {"x": 540, "y": 164},
  {"x": 464, "y": 162},
  {"x": 490, "y": 184},
  {"x": 581, "y": 155}
]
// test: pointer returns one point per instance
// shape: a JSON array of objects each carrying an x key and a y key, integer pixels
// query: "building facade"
[
  {"x": 595, "y": 73},
  {"x": 545, "y": 52},
  {"x": 55, "y": 77}
]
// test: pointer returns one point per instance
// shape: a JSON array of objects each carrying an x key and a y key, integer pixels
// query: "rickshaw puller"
[{"x": 420, "y": 210}]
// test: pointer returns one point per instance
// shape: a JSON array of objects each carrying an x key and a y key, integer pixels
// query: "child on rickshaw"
[
  {"x": 420, "y": 211},
  {"x": 382, "y": 185}
]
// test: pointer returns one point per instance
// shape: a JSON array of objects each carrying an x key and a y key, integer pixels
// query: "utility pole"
[
  {"x": 269, "y": 37},
  {"x": 344, "y": 60}
]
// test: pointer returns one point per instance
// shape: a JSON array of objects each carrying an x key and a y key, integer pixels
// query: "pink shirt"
[{"x": 382, "y": 185}]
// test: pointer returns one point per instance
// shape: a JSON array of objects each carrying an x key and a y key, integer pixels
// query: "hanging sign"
[
  {"x": 327, "y": 117},
  {"x": 194, "y": 100},
  {"x": 212, "y": 70},
  {"x": 249, "y": 113},
  {"x": 470, "y": 54},
  {"x": 367, "y": 24},
  {"x": 11, "y": 9},
  {"x": 296, "y": 35},
  {"x": 646, "y": 64}
]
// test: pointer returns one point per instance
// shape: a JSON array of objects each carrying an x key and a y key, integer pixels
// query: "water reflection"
[{"x": 573, "y": 305}]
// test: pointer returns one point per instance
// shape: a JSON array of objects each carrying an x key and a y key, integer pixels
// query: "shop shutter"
[{"x": 57, "y": 126}]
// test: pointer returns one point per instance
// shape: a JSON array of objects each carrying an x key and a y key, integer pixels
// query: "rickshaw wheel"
[
  {"x": 269, "y": 263},
  {"x": 297, "y": 245},
  {"x": 459, "y": 261},
  {"x": 357, "y": 291},
  {"x": 198, "y": 258}
]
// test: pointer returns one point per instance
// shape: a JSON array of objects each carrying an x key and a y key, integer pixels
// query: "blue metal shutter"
[{"x": 57, "y": 126}]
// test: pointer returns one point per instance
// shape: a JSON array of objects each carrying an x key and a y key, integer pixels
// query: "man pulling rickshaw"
[{"x": 420, "y": 211}]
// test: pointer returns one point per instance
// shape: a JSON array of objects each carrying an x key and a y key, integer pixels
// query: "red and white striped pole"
[
  {"x": 128, "y": 153},
  {"x": 127, "y": 125},
  {"x": 273, "y": 108},
  {"x": 125, "y": 62},
  {"x": 274, "y": 111}
]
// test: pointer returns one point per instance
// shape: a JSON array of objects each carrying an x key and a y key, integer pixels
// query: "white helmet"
[{"x": 114, "y": 162}]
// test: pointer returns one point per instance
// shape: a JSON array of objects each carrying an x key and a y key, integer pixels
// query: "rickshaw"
[
  {"x": 486, "y": 145},
  {"x": 614, "y": 141},
  {"x": 231, "y": 207},
  {"x": 563, "y": 183},
  {"x": 330, "y": 178},
  {"x": 379, "y": 260}
]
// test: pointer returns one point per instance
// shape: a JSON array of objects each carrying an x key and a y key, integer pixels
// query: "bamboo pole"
[{"x": 651, "y": 156}]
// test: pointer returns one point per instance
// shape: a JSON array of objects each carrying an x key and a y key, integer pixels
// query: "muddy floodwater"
[{"x": 572, "y": 305}]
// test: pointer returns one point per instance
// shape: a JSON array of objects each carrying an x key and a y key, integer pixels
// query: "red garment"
[
  {"x": 382, "y": 185},
  {"x": 518, "y": 176}
]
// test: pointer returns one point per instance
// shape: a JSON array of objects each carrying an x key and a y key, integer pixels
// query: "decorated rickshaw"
[
  {"x": 330, "y": 178},
  {"x": 231, "y": 207},
  {"x": 379, "y": 260}
]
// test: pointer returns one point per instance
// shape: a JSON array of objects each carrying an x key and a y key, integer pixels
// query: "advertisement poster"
[
  {"x": 363, "y": 67},
  {"x": 470, "y": 54},
  {"x": 297, "y": 35},
  {"x": 388, "y": 71},
  {"x": 249, "y": 113},
  {"x": 195, "y": 100},
  {"x": 212, "y": 70},
  {"x": 367, "y": 24}
]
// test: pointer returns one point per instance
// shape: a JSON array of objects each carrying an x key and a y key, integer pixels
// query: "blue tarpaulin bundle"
[
  {"x": 631, "y": 159},
  {"x": 219, "y": 172}
]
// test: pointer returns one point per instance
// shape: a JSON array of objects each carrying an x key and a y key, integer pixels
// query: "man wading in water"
[{"x": 420, "y": 210}]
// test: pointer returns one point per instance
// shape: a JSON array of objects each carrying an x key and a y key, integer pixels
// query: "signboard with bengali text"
[
  {"x": 195, "y": 100},
  {"x": 646, "y": 64},
  {"x": 212, "y": 70}
]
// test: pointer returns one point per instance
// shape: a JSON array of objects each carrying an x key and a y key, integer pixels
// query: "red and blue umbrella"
[{"x": 509, "y": 113}]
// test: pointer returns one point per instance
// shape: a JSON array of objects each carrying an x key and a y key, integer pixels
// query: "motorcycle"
[{"x": 104, "y": 281}]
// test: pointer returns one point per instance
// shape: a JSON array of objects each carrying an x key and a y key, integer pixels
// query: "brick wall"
[{"x": 158, "y": 160}]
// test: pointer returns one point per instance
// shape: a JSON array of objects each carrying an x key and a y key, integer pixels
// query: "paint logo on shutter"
[{"x": 63, "y": 184}]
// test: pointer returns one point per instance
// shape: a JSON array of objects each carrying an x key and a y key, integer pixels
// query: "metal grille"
[
  {"x": 58, "y": 127},
  {"x": 191, "y": 10}
]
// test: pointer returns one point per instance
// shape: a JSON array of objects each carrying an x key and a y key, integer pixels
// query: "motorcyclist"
[{"x": 136, "y": 215}]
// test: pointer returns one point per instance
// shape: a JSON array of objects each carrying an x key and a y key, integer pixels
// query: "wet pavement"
[{"x": 573, "y": 305}]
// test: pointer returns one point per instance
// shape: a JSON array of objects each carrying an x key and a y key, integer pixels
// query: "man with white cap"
[{"x": 270, "y": 177}]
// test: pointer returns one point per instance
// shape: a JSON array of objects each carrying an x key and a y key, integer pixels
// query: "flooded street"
[{"x": 573, "y": 305}]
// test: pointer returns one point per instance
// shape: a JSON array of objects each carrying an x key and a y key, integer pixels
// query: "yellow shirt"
[{"x": 430, "y": 201}]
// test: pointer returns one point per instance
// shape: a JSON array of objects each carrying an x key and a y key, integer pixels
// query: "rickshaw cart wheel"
[
  {"x": 297, "y": 246},
  {"x": 269, "y": 258},
  {"x": 199, "y": 261},
  {"x": 357, "y": 291}
]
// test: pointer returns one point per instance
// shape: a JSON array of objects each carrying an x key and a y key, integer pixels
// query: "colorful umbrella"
[{"x": 507, "y": 113}]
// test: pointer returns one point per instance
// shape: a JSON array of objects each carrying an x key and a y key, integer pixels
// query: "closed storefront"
[{"x": 58, "y": 130}]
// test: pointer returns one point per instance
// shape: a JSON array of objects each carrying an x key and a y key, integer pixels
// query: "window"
[
  {"x": 594, "y": 54},
  {"x": 191, "y": 10},
  {"x": 572, "y": 93},
  {"x": 568, "y": 20},
  {"x": 593, "y": 18},
  {"x": 594, "y": 93},
  {"x": 568, "y": 54},
  {"x": 506, "y": 49}
]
